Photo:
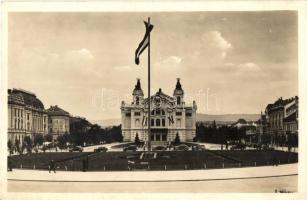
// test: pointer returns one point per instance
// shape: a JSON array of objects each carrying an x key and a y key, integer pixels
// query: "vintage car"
[
  {"x": 101, "y": 149},
  {"x": 76, "y": 149},
  {"x": 130, "y": 148}
]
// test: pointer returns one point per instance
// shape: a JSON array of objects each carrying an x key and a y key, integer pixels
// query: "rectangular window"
[
  {"x": 188, "y": 114},
  {"x": 128, "y": 114},
  {"x": 158, "y": 137},
  {"x": 152, "y": 137},
  {"x": 163, "y": 137},
  {"x": 178, "y": 113},
  {"x": 137, "y": 113}
]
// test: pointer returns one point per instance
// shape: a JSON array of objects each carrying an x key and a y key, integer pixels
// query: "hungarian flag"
[
  {"x": 170, "y": 118},
  {"x": 144, "y": 122},
  {"x": 144, "y": 43}
]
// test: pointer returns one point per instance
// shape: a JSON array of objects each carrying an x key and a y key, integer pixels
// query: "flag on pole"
[
  {"x": 144, "y": 122},
  {"x": 170, "y": 118},
  {"x": 144, "y": 43}
]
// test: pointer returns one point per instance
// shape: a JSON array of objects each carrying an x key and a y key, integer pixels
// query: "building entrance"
[{"x": 159, "y": 134}]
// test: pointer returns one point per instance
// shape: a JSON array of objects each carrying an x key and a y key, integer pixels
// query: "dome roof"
[
  {"x": 138, "y": 89},
  {"x": 22, "y": 97},
  {"x": 178, "y": 90}
]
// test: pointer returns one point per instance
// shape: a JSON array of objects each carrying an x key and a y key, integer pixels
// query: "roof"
[
  {"x": 57, "y": 111},
  {"x": 138, "y": 89},
  {"x": 280, "y": 103},
  {"x": 162, "y": 95},
  {"x": 23, "y": 97},
  {"x": 291, "y": 118},
  {"x": 178, "y": 90}
]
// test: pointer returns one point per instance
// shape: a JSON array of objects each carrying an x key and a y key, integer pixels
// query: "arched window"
[
  {"x": 153, "y": 112},
  {"x": 178, "y": 100},
  {"x": 162, "y": 112},
  {"x": 137, "y": 100},
  {"x": 158, "y": 122},
  {"x": 152, "y": 123},
  {"x": 163, "y": 122}
]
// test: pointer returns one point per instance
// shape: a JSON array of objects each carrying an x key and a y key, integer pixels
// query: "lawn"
[{"x": 164, "y": 160}]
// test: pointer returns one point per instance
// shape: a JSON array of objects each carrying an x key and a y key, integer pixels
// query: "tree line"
[{"x": 82, "y": 132}]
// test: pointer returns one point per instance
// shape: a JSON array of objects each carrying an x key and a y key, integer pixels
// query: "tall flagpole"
[{"x": 149, "y": 102}]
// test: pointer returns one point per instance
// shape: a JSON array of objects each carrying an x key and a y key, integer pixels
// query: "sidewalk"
[{"x": 148, "y": 176}]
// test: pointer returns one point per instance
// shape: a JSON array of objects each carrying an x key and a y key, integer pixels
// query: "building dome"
[
  {"x": 22, "y": 97},
  {"x": 137, "y": 89},
  {"x": 178, "y": 90}
]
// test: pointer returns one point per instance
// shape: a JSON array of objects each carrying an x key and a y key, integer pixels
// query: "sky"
[{"x": 228, "y": 62}]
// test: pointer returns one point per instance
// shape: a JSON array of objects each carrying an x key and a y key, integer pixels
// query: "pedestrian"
[{"x": 52, "y": 166}]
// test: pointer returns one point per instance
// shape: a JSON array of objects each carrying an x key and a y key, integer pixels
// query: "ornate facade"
[
  {"x": 169, "y": 116},
  {"x": 26, "y": 115}
]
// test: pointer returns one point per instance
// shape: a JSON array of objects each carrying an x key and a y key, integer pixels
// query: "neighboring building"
[
  {"x": 291, "y": 116},
  {"x": 282, "y": 115},
  {"x": 261, "y": 127},
  {"x": 58, "y": 121},
  {"x": 169, "y": 117},
  {"x": 242, "y": 123},
  {"x": 26, "y": 115}
]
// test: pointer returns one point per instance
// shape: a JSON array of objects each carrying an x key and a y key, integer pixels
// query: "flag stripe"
[{"x": 144, "y": 43}]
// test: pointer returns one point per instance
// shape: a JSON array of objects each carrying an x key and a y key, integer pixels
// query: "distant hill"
[
  {"x": 107, "y": 122},
  {"x": 199, "y": 117},
  {"x": 227, "y": 117}
]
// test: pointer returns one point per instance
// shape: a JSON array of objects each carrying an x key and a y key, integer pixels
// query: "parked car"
[
  {"x": 159, "y": 148},
  {"x": 181, "y": 147},
  {"x": 76, "y": 149},
  {"x": 240, "y": 146},
  {"x": 130, "y": 148},
  {"x": 101, "y": 149},
  {"x": 201, "y": 147},
  {"x": 257, "y": 146},
  {"x": 267, "y": 147}
]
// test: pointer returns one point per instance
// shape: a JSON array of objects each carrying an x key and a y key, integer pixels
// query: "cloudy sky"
[{"x": 229, "y": 62}]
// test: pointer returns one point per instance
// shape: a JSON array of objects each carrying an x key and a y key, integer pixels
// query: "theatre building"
[{"x": 169, "y": 116}]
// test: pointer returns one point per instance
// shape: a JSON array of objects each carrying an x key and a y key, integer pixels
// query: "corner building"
[
  {"x": 26, "y": 115},
  {"x": 169, "y": 116}
]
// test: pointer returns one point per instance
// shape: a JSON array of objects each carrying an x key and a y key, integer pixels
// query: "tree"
[
  {"x": 17, "y": 145},
  {"x": 137, "y": 140},
  {"x": 38, "y": 140},
  {"x": 27, "y": 141},
  {"x": 48, "y": 138},
  {"x": 177, "y": 139},
  {"x": 10, "y": 146}
]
